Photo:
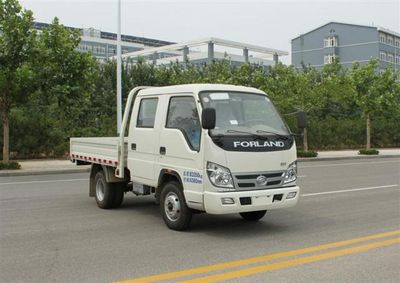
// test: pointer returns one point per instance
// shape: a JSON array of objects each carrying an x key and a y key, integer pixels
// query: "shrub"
[
  {"x": 12, "y": 165},
  {"x": 368, "y": 151},
  {"x": 310, "y": 153}
]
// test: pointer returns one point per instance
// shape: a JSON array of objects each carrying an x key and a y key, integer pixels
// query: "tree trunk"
[
  {"x": 368, "y": 118},
  {"x": 305, "y": 139},
  {"x": 6, "y": 137}
]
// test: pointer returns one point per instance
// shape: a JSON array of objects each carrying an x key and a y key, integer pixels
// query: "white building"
[{"x": 104, "y": 44}]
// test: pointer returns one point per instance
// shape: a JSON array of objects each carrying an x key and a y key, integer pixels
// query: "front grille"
[
  {"x": 246, "y": 181},
  {"x": 254, "y": 176},
  {"x": 246, "y": 185}
]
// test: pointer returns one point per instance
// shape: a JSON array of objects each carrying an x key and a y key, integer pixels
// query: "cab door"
[
  {"x": 143, "y": 139},
  {"x": 179, "y": 145}
]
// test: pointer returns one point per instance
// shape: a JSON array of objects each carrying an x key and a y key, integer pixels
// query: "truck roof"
[{"x": 196, "y": 88}]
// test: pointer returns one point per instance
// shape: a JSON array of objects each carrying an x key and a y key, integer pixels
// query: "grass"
[
  {"x": 12, "y": 165},
  {"x": 310, "y": 153},
  {"x": 371, "y": 151}
]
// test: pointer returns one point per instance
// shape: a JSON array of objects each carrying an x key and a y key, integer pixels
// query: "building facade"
[
  {"x": 347, "y": 43},
  {"x": 103, "y": 45}
]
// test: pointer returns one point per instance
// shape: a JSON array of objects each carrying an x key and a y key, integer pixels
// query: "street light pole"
[{"x": 119, "y": 67}]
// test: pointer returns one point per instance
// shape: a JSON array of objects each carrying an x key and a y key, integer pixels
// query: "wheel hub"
[
  {"x": 172, "y": 206},
  {"x": 100, "y": 189}
]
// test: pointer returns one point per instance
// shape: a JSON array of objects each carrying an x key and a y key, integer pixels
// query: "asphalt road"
[{"x": 51, "y": 231}]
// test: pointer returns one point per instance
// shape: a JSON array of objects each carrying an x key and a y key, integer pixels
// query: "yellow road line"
[
  {"x": 293, "y": 262},
  {"x": 242, "y": 262}
]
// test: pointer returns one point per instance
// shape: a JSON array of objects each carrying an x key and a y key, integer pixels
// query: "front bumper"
[{"x": 260, "y": 200}]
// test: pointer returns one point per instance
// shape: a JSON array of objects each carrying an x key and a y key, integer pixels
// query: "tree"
[
  {"x": 65, "y": 81},
  {"x": 329, "y": 119},
  {"x": 17, "y": 39},
  {"x": 373, "y": 91},
  {"x": 294, "y": 91},
  {"x": 53, "y": 94}
]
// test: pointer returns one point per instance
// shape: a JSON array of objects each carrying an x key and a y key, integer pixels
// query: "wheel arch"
[{"x": 165, "y": 176}]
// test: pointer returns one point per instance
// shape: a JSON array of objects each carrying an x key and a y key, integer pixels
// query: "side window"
[
  {"x": 147, "y": 113},
  {"x": 182, "y": 114}
]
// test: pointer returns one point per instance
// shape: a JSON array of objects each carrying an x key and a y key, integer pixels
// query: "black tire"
[
  {"x": 253, "y": 215},
  {"x": 104, "y": 192},
  {"x": 119, "y": 193},
  {"x": 176, "y": 214}
]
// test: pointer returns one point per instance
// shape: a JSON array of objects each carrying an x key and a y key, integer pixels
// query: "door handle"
[
  {"x": 163, "y": 150},
  {"x": 133, "y": 146}
]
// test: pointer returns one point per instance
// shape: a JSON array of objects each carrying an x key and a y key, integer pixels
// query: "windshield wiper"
[
  {"x": 248, "y": 133},
  {"x": 278, "y": 135}
]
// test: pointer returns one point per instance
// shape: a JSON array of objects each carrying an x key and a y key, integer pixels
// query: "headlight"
[
  {"x": 219, "y": 176},
  {"x": 291, "y": 173}
]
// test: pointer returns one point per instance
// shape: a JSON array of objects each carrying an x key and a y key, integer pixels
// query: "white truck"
[{"x": 198, "y": 148}]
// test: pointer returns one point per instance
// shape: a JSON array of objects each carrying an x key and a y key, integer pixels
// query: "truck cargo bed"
[{"x": 101, "y": 150}]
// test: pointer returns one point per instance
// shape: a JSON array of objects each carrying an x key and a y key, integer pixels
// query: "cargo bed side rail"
[{"x": 120, "y": 170}]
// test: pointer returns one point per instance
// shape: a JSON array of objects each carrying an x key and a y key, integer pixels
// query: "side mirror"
[
  {"x": 301, "y": 120},
  {"x": 208, "y": 118}
]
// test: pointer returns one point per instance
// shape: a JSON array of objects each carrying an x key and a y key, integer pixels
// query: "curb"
[
  {"x": 313, "y": 159},
  {"x": 18, "y": 173}
]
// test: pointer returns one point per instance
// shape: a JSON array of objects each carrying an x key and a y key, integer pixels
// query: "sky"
[{"x": 269, "y": 23}]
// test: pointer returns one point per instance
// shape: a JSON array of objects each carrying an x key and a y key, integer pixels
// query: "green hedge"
[
  {"x": 10, "y": 165},
  {"x": 310, "y": 153},
  {"x": 368, "y": 152}
]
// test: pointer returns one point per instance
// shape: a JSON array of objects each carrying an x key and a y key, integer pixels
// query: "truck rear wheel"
[
  {"x": 253, "y": 215},
  {"x": 105, "y": 193},
  {"x": 119, "y": 193},
  {"x": 176, "y": 214}
]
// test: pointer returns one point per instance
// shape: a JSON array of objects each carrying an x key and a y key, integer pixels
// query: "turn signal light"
[
  {"x": 227, "y": 201},
  {"x": 291, "y": 195}
]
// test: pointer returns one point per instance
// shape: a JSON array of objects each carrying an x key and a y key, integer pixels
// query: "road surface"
[{"x": 346, "y": 228}]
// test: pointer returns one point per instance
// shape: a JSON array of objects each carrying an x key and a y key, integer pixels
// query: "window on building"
[
  {"x": 382, "y": 56},
  {"x": 382, "y": 38},
  {"x": 99, "y": 49},
  {"x": 182, "y": 115},
  {"x": 389, "y": 40},
  {"x": 330, "y": 41},
  {"x": 112, "y": 51},
  {"x": 88, "y": 48},
  {"x": 397, "y": 42},
  {"x": 389, "y": 57},
  {"x": 329, "y": 59},
  {"x": 147, "y": 113},
  {"x": 397, "y": 59}
]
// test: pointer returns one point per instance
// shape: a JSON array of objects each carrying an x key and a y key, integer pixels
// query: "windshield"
[{"x": 243, "y": 113}]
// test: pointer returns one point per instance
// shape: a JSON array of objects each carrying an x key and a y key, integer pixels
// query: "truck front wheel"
[
  {"x": 253, "y": 215},
  {"x": 176, "y": 214},
  {"x": 105, "y": 193}
]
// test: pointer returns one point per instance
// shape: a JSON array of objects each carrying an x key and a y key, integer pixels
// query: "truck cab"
[{"x": 211, "y": 148}]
